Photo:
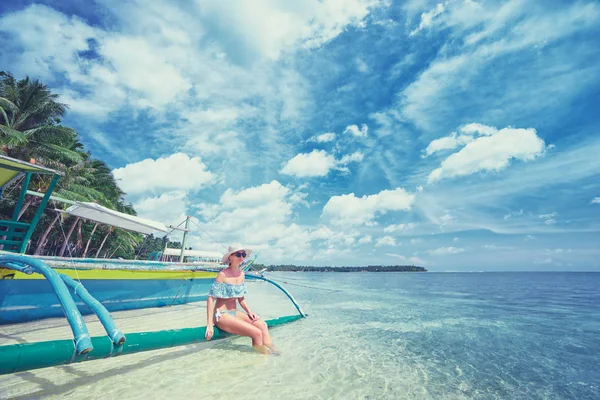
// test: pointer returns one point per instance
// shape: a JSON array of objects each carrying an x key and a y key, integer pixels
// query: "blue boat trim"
[{"x": 83, "y": 342}]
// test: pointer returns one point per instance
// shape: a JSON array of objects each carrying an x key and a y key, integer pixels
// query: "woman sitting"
[{"x": 228, "y": 288}]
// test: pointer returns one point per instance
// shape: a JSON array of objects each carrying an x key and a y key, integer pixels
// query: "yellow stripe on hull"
[{"x": 113, "y": 274}]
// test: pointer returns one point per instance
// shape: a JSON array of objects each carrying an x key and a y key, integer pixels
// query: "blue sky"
[{"x": 458, "y": 135}]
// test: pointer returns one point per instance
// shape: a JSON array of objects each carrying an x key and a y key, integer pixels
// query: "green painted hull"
[{"x": 27, "y": 356}]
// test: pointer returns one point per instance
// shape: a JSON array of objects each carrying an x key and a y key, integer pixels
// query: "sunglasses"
[{"x": 240, "y": 254}]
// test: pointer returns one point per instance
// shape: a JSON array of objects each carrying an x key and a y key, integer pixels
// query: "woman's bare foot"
[
  {"x": 262, "y": 349},
  {"x": 273, "y": 350}
]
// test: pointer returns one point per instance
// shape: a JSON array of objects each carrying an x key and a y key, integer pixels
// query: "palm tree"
[
  {"x": 30, "y": 128},
  {"x": 30, "y": 116}
]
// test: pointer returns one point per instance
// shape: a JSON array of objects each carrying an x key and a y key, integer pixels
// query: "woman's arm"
[
  {"x": 210, "y": 308},
  {"x": 244, "y": 304}
]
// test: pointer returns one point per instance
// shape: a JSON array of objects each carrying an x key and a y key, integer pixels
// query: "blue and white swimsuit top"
[{"x": 222, "y": 290}]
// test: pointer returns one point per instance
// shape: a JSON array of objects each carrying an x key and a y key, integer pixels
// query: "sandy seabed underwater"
[{"x": 368, "y": 336}]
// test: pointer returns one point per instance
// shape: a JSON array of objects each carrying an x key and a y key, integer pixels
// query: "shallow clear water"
[{"x": 378, "y": 336}]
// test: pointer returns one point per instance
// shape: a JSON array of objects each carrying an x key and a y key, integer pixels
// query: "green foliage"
[
  {"x": 370, "y": 268},
  {"x": 30, "y": 128}
]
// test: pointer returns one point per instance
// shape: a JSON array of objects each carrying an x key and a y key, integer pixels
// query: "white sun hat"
[{"x": 232, "y": 249}]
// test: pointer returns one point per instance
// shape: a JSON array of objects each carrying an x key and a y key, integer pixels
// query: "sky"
[{"x": 457, "y": 135}]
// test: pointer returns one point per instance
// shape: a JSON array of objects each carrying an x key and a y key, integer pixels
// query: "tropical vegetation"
[
  {"x": 31, "y": 130},
  {"x": 370, "y": 268}
]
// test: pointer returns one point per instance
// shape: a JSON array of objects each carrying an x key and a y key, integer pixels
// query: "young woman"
[{"x": 228, "y": 288}]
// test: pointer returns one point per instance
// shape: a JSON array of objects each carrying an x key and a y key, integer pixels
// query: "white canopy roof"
[
  {"x": 193, "y": 253},
  {"x": 98, "y": 213}
]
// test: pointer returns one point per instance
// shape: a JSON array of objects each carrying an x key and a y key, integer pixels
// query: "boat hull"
[{"x": 31, "y": 297}]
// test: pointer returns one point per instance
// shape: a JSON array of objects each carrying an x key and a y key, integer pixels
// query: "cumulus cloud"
[
  {"x": 491, "y": 152},
  {"x": 262, "y": 217},
  {"x": 447, "y": 143},
  {"x": 169, "y": 208},
  {"x": 365, "y": 239},
  {"x": 357, "y": 156},
  {"x": 354, "y": 131},
  {"x": 347, "y": 209},
  {"x": 177, "y": 171},
  {"x": 442, "y": 251},
  {"x": 323, "y": 138},
  {"x": 318, "y": 163},
  {"x": 385, "y": 241},
  {"x": 595, "y": 200}
]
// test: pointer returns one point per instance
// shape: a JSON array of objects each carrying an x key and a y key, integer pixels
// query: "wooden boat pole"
[{"x": 183, "y": 241}]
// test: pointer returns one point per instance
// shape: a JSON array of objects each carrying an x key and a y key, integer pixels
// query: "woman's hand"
[
  {"x": 209, "y": 332},
  {"x": 253, "y": 317}
]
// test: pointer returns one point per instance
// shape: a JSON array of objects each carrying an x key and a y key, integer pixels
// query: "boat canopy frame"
[{"x": 15, "y": 235}]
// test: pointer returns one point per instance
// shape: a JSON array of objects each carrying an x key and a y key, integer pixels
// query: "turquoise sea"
[{"x": 376, "y": 336}]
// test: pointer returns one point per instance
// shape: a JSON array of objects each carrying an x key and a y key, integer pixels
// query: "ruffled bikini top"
[{"x": 222, "y": 290}]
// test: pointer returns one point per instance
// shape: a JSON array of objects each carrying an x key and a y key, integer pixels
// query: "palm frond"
[{"x": 12, "y": 138}]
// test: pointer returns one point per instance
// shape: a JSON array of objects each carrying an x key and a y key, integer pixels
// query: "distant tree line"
[{"x": 370, "y": 268}]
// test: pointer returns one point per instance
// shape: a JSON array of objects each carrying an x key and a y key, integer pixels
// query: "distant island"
[{"x": 370, "y": 268}]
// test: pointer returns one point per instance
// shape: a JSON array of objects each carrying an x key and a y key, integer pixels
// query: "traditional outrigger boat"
[{"x": 36, "y": 287}]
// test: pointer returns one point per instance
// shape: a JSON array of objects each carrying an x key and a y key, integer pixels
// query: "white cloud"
[
  {"x": 356, "y": 132},
  {"x": 513, "y": 214},
  {"x": 323, "y": 138},
  {"x": 595, "y": 200},
  {"x": 442, "y": 251},
  {"x": 482, "y": 32},
  {"x": 447, "y": 143},
  {"x": 411, "y": 260},
  {"x": 262, "y": 218},
  {"x": 271, "y": 27},
  {"x": 365, "y": 239},
  {"x": 169, "y": 208},
  {"x": 428, "y": 17},
  {"x": 399, "y": 227},
  {"x": 361, "y": 65},
  {"x": 477, "y": 128},
  {"x": 491, "y": 153},
  {"x": 416, "y": 241},
  {"x": 357, "y": 156},
  {"x": 177, "y": 171},
  {"x": 316, "y": 163},
  {"x": 348, "y": 209},
  {"x": 386, "y": 241},
  {"x": 549, "y": 219}
]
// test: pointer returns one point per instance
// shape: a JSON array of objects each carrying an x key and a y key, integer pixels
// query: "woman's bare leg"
[
  {"x": 237, "y": 326},
  {"x": 262, "y": 325}
]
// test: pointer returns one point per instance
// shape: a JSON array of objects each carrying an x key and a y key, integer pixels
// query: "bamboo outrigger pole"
[{"x": 27, "y": 356}]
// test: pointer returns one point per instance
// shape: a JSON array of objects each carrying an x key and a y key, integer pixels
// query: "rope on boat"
[
  {"x": 289, "y": 296},
  {"x": 222, "y": 245},
  {"x": 312, "y": 287}
]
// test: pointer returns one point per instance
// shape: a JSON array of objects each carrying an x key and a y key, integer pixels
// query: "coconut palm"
[{"x": 30, "y": 116}]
